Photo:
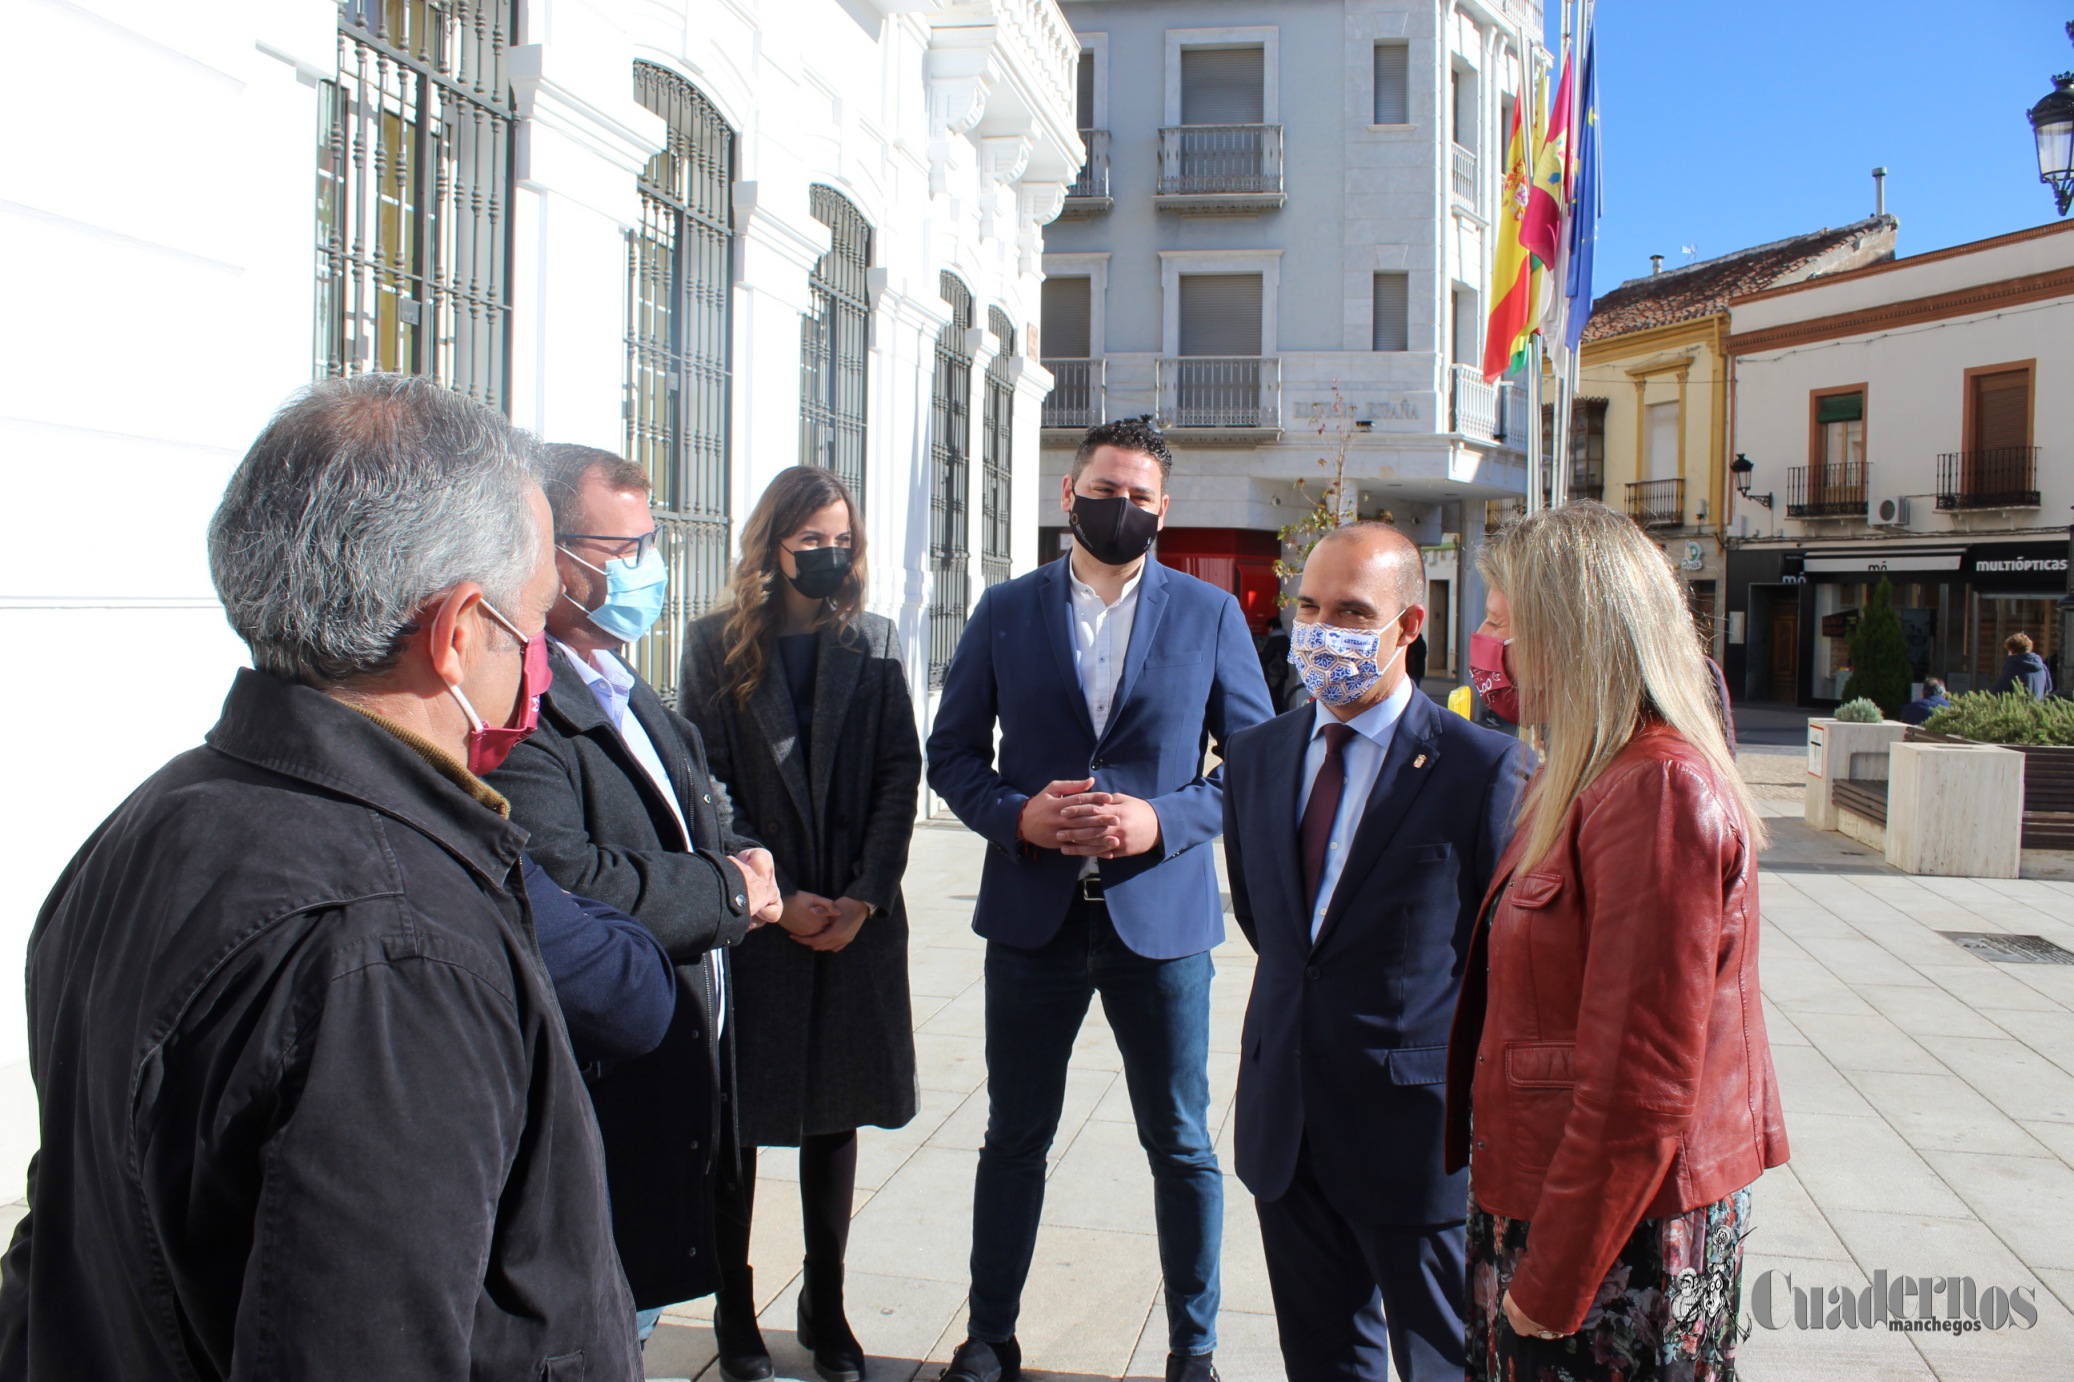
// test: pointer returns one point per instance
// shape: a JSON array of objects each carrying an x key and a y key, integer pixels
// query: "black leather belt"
[{"x": 1091, "y": 888}]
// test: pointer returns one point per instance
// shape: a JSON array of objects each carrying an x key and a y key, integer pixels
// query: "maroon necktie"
[{"x": 1320, "y": 811}]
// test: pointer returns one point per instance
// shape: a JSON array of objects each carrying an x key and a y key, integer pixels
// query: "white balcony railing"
[
  {"x": 1464, "y": 171},
  {"x": 1077, "y": 399},
  {"x": 1497, "y": 411},
  {"x": 1237, "y": 392}
]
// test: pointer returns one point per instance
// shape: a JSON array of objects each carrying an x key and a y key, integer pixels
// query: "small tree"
[
  {"x": 1880, "y": 669},
  {"x": 1335, "y": 503}
]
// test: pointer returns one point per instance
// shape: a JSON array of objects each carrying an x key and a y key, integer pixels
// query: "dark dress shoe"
[
  {"x": 743, "y": 1357},
  {"x": 1190, "y": 1367},
  {"x": 825, "y": 1332},
  {"x": 979, "y": 1361}
]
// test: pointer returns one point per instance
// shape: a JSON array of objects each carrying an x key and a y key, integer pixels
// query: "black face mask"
[
  {"x": 822, "y": 571},
  {"x": 1115, "y": 531}
]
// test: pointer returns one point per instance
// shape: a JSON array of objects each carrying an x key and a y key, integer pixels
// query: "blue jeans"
[{"x": 1160, "y": 1013}]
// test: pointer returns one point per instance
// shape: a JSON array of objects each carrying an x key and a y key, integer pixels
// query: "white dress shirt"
[
  {"x": 613, "y": 685},
  {"x": 1362, "y": 757},
  {"x": 1101, "y": 636}
]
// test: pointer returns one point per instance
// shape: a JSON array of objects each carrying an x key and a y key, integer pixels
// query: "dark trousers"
[
  {"x": 1350, "y": 1297},
  {"x": 1160, "y": 1013},
  {"x": 827, "y": 1191}
]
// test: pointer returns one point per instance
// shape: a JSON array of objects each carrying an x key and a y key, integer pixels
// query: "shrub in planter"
[
  {"x": 1859, "y": 712},
  {"x": 2011, "y": 718},
  {"x": 1879, "y": 654}
]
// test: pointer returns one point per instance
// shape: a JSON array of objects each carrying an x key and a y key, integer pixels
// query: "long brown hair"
[
  {"x": 755, "y": 602},
  {"x": 1602, "y": 638}
]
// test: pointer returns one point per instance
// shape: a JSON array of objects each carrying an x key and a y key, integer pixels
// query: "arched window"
[
  {"x": 414, "y": 195},
  {"x": 679, "y": 340},
  {"x": 997, "y": 451},
  {"x": 832, "y": 343},
  {"x": 950, "y": 443}
]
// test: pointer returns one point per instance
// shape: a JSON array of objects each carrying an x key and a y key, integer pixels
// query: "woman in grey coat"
[{"x": 803, "y": 705}]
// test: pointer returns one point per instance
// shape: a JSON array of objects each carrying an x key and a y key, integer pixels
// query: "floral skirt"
[{"x": 1666, "y": 1312}]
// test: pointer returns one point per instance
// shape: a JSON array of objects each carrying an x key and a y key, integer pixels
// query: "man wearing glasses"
[{"x": 614, "y": 790}]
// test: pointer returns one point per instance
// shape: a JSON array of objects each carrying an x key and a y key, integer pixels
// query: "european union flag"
[{"x": 1584, "y": 212}]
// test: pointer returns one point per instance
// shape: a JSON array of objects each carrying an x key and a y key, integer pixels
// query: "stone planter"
[
  {"x": 1841, "y": 751},
  {"x": 1955, "y": 810}
]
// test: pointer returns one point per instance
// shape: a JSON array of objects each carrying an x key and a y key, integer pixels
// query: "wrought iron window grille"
[
  {"x": 834, "y": 341},
  {"x": 950, "y": 444}
]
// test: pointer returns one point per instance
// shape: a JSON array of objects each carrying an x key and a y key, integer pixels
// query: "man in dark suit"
[
  {"x": 1359, "y": 835},
  {"x": 614, "y": 790},
  {"x": 1107, "y": 673}
]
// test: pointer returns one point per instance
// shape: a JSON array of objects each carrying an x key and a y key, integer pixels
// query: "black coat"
[
  {"x": 825, "y": 1042},
  {"x": 600, "y": 828},
  {"x": 1345, "y": 1039},
  {"x": 308, "y": 1108}
]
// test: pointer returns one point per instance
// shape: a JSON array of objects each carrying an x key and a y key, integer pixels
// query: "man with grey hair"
[{"x": 308, "y": 1109}]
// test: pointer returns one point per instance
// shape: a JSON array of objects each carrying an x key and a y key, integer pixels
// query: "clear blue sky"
[{"x": 1731, "y": 124}]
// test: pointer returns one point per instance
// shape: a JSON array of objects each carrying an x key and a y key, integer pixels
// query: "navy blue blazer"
[
  {"x": 1190, "y": 677},
  {"x": 1346, "y": 1038},
  {"x": 612, "y": 977}
]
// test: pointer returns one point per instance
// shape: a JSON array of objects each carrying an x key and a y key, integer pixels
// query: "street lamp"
[
  {"x": 1741, "y": 467},
  {"x": 2052, "y": 122}
]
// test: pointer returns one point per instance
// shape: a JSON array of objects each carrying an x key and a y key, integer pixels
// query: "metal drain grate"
[{"x": 2010, "y": 950}]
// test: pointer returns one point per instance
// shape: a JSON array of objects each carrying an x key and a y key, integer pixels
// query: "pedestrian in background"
[
  {"x": 802, "y": 701},
  {"x": 2023, "y": 670},
  {"x": 308, "y": 1109},
  {"x": 1929, "y": 703},
  {"x": 1609, "y": 1082}
]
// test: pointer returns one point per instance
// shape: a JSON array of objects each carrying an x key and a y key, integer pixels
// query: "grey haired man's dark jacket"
[{"x": 309, "y": 1109}]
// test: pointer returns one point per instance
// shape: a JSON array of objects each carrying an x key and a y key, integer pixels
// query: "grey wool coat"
[{"x": 824, "y": 1041}]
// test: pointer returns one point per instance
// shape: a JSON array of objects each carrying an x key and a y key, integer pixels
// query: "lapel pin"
[{"x": 1419, "y": 762}]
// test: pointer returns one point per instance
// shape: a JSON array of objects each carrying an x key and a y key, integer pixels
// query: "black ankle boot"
[
  {"x": 743, "y": 1358},
  {"x": 825, "y": 1330}
]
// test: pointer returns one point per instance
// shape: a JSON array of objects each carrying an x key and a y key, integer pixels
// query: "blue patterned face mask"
[{"x": 1338, "y": 666}]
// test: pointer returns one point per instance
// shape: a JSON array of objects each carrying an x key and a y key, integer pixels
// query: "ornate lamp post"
[
  {"x": 2052, "y": 123},
  {"x": 1742, "y": 467}
]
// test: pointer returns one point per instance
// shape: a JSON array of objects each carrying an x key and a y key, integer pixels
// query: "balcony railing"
[
  {"x": 1077, "y": 394},
  {"x": 1657, "y": 503},
  {"x": 1833, "y": 490},
  {"x": 1998, "y": 477},
  {"x": 1090, "y": 191},
  {"x": 1235, "y": 392},
  {"x": 1465, "y": 174},
  {"x": 1220, "y": 167},
  {"x": 1496, "y": 411}
]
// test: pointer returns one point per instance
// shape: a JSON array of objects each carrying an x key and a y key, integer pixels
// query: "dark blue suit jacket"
[
  {"x": 1190, "y": 676},
  {"x": 612, "y": 977},
  {"x": 1346, "y": 1039}
]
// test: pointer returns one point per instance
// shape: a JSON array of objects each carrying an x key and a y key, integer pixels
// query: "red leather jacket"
[{"x": 1609, "y": 1033}]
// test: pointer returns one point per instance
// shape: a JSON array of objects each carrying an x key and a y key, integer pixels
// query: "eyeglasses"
[{"x": 616, "y": 548}]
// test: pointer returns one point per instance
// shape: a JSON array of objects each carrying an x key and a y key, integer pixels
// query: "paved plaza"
[{"x": 1929, "y": 1097}]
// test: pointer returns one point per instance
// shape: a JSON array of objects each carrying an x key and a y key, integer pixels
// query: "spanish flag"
[{"x": 1516, "y": 281}]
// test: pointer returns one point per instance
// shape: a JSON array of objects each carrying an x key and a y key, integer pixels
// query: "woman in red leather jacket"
[{"x": 1609, "y": 1082}]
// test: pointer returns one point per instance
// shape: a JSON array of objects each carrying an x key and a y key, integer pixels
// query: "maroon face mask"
[
  {"x": 1488, "y": 675},
  {"x": 490, "y": 745}
]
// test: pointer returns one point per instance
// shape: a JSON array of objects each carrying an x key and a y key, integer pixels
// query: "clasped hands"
[
  {"x": 759, "y": 885},
  {"x": 820, "y": 923},
  {"x": 1073, "y": 818}
]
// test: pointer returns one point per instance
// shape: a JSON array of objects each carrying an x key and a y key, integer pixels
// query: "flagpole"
[{"x": 1530, "y": 99}]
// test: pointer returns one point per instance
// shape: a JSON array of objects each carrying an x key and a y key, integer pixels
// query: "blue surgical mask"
[{"x": 634, "y": 592}]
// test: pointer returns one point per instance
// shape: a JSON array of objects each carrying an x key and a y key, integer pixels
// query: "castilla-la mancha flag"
[{"x": 1515, "y": 278}]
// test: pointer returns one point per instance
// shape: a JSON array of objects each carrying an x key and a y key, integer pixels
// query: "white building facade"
[
  {"x": 720, "y": 236},
  {"x": 1279, "y": 249},
  {"x": 1913, "y": 421}
]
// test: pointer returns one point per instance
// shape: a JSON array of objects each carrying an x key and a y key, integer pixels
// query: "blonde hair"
[{"x": 1601, "y": 639}]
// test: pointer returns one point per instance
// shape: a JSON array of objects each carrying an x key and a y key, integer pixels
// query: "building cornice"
[
  {"x": 1648, "y": 340},
  {"x": 2015, "y": 237},
  {"x": 1959, "y": 302}
]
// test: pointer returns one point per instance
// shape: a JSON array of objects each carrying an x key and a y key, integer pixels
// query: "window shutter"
[
  {"x": 1223, "y": 86},
  {"x": 1392, "y": 324},
  {"x": 1084, "y": 94},
  {"x": 1220, "y": 314},
  {"x": 2001, "y": 410},
  {"x": 1392, "y": 84},
  {"x": 1064, "y": 332},
  {"x": 1841, "y": 407},
  {"x": 1663, "y": 441}
]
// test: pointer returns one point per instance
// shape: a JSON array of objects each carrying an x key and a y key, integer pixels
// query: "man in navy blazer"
[
  {"x": 1108, "y": 675},
  {"x": 1359, "y": 835}
]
